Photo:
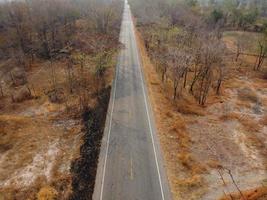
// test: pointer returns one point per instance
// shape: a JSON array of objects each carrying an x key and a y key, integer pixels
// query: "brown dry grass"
[
  {"x": 247, "y": 94},
  {"x": 250, "y": 126},
  {"x": 241, "y": 90},
  {"x": 188, "y": 107},
  {"x": 263, "y": 121},
  {"x": 24, "y": 138},
  {"x": 253, "y": 194},
  {"x": 32, "y": 130},
  {"x": 248, "y": 123},
  {"x": 172, "y": 132},
  {"x": 47, "y": 193}
]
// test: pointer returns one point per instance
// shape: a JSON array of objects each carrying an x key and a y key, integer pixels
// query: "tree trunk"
[
  {"x": 185, "y": 77},
  {"x": 1, "y": 90},
  {"x": 237, "y": 54},
  {"x": 163, "y": 74},
  {"x": 194, "y": 82},
  {"x": 175, "y": 86},
  {"x": 259, "y": 59},
  {"x": 218, "y": 86},
  {"x": 45, "y": 43}
]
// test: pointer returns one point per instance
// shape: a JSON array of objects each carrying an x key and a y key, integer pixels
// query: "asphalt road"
[{"x": 130, "y": 163}]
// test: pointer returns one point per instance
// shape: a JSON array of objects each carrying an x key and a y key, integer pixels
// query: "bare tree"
[
  {"x": 262, "y": 46},
  {"x": 220, "y": 77},
  {"x": 211, "y": 56},
  {"x": 1, "y": 90},
  {"x": 197, "y": 66},
  {"x": 104, "y": 14},
  {"x": 178, "y": 62},
  {"x": 161, "y": 57},
  {"x": 70, "y": 75},
  {"x": 240, "y": 45}
]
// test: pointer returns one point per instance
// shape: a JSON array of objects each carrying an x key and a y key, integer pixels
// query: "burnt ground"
[
  {"x": 40, "y": 145},
  {"x": 84, "y": 168}
]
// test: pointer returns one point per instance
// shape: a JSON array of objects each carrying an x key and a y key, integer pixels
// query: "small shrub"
[
  {"x": 263, "y": 121},
  {"x": 18, "y": 77},
  {"x": 191, "y": 182},
  {"x": 56, "y": 95},
  {"x": 21, "y": 95},
  {"x": 47, "y": 193},
  {"x": 186, "y": 160}
]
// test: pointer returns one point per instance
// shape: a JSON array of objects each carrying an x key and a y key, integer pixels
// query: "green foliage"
[
  {"x": 249, "y": 39},
  {"x": 250, "y": 17},
  {"x": 103, "y": 60},
  {"x": 265, "y": 34},
  {"x": 230, "y": 5},
  {"x": 216, "y": 15},
  {"x": 191, "y": 3}
]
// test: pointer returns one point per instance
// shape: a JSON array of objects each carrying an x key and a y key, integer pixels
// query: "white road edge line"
[
  {"x": 148, "y": 116},
  {"x": 110, "y": 123},
  {"x": 111, "y": 112}
]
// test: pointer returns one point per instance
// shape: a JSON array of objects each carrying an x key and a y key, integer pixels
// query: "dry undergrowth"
[
  {"x": 47, "y": 193},
  {"x": 264, "y": 120},
  {"x": 254, "y": 194},
  {"x": 227, "y": 123},
  {"x": 182, "y": 169},
  {"x": 248, "y": 123},
  {"x": 40, "y": 139}
]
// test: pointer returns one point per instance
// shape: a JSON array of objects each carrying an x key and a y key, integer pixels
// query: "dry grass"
[
  {"x": 230, "y": 38},
  {"x": 230, "y": 116},
  {"x": 30, "y": 132},
  {"x": 248, "y": 123},
  {"x": 189, "y": 108},
  {"x": 187, "y": 184},
  {"x": 175, "y": 119},
  {"x": 47, "y": 193},
  {"x": 172, "y": 131},
  {"x": 263, "y": 121},
  {"x": 247, "y": 94},
  {"x": 254, "y": 194},
  {"x": 215, "y": 164},
  {"x": 28, "y": 164}
]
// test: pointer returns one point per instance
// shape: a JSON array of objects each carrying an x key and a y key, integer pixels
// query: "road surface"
[{"x": 130, "y": 165}]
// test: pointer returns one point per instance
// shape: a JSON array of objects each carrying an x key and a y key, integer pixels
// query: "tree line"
[
  {"x": 186, "y": 44},
  {"x": 184, "y": 49},
  {"x": 37, "y": 27},
  {"x": 77, "y": 32}
]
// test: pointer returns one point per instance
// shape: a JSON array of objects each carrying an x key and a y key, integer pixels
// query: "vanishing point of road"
[{"x": 130, "y": 166}]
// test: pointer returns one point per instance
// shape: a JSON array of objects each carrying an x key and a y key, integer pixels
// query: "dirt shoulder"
[{"x": 204, "y": 146}]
